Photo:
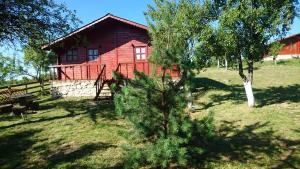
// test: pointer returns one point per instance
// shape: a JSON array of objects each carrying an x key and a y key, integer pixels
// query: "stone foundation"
[{"x": 75, "y": 88}]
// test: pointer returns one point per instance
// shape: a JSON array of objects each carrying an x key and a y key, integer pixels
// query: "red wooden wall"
[
  {"x": 292, "y": 46},
  {"x": 115, "y": 42}
]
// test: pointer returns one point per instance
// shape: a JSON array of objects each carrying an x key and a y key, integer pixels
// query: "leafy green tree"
[
  {"x": 274, "y": 50},
  {"x": 22, "y": 21},
  {"x": 32, "y": 23},
  {"x": 157, "y": 105},
  {"x": 9, "y": 68},
  {"x": 219, "y": 48},
  {"x": 39, "y": 60},
  {"x": 249, "y": 25}
]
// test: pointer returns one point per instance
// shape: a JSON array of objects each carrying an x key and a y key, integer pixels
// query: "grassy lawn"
[{"x": 80, "y": 133}]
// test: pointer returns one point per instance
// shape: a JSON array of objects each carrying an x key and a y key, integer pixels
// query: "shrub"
[{"x": 166, "y": 131}]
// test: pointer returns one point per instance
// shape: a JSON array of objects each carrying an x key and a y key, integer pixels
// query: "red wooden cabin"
[
  {"x": 290, "y": 50},
  {"x": 95, "y": 51}
]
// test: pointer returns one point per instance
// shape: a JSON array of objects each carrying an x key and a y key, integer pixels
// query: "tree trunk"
[
  {"x": 249, "y": 93},
  {"x": 248, "y": 84},
  {"x": 275, "y": 60},
  {"x": 163, "y": 104},
  {"x": 218, "y": 63},
  {"x": 226, "y": 64},
  {"x": 247, "y": 81},
  {"x": 41, "y": 81},
  {"x": 190, "y": 99}
]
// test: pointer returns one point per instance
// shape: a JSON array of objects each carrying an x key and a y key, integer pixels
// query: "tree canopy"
[
  {"x": 39, "y": 60},
  {"x": 9, "y": 68},
  {"x": 31, "y": 20},
  {"x": 248, "y": 26},
  {"x": 176, "y": 29}
]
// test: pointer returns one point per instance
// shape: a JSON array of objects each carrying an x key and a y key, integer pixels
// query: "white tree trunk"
[
  {"x": 218, "y": 63},
  {"x": 226, "y": 64},
  {"x": 190, "y": 99},
  {"x": 249, "y": 93}
]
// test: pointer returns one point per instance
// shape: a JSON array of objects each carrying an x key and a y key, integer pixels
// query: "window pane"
[
  {"x": 69, "y": 58},
  {"x": 138, "y": 56},
  {"x": 75, "y": 52},
  {"x": 90, "y": 52},
  {"x": 143, "y": 56},
  {"x": 74, "y": 57},
  {"x": 143, "y": 50},
  {"x": 137, "y": 50},
  {"x": 96, "y": 52},
  {"x": 69, "y": 52}
]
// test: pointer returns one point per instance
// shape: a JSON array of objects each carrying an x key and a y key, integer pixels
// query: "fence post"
[
  {"x": 9, "y": 91},
  {"x": 26, "y": 88}
]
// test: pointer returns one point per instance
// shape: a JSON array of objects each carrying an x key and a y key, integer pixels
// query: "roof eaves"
[{"x": 291, "y": 36}]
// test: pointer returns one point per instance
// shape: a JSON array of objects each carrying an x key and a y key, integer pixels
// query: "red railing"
[
  {"x": 100, "y": 82},
  {"x": 127, "y": 69},
  {"x": 92, "y": 71},
  {"x": 75, "y": 72}
]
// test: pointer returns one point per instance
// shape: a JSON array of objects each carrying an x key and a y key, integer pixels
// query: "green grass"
[
  {"x": 267, "y": 136},
  {"x": 64, "y": 134},
  {"x": 80, "y": 133}
]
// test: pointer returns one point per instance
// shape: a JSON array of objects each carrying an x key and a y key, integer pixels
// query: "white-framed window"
[
  {"x": 140, "y": 53},
  {"x": 72, "y": 55},
  {"x": 93, "y": 54}
]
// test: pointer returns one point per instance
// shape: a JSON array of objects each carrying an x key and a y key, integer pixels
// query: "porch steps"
[{"x": 105, "y": 93}]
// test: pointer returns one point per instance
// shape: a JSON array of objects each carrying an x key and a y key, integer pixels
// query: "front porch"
[
  {"x": 91, "y": 80},
  {"x": 92, "y": 71}
]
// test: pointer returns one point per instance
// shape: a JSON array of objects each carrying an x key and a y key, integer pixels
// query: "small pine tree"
[
  {"x": 156, "y": 105},
  {"x": 158, "y": 114}
]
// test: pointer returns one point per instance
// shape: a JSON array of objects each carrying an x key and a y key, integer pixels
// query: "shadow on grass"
[
  {"x": 236, "y": 94},
  {"x": 69, "y": 154},
  {"x": 252, "y": 143},
  {"x": 281, "y": 94},
  {"x": 13, "y": 148},
  {"x": 73, "y": 108},
  {"x": 208, "y": 84},
  {"x": 15, "y": 152}
]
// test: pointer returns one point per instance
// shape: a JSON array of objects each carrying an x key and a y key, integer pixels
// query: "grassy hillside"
[
  {"x": 79, "y": 133},
  {"x": 267, "y": 136}
]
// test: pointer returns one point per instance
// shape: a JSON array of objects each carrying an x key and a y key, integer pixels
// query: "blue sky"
[{"x": 90, "y": 10}]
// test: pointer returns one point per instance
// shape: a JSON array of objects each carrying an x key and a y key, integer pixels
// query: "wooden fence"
[{"x": 7, "y": 92}]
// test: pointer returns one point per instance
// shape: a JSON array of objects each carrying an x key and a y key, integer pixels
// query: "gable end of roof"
[{"x": 107, "y": 16}]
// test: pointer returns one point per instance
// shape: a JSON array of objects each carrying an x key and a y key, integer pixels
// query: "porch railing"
[
  {"x": 75, "y": 71},
  {"x": 100, "y": 82},
  {"x": 127, "y": 69},
  {"x": 92, "y": 71}
]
